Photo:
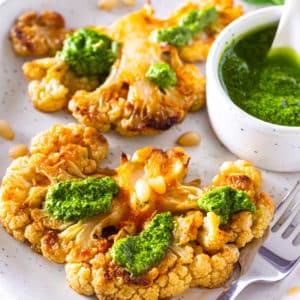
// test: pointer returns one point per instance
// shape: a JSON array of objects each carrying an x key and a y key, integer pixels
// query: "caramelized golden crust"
[
  {"x": 36, "y": 34},
  {"x": 241, "y": 175}
]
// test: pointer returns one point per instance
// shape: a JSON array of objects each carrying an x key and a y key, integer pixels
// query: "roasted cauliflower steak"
[
  {"x": 202, "y": 253},
  {"x": 126, "y": 100}
]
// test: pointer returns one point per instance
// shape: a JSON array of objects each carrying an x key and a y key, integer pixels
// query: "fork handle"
[{"x": 234, "y": 290}]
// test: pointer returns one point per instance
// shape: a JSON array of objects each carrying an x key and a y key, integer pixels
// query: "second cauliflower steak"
[{"x": 127, "y": 100}]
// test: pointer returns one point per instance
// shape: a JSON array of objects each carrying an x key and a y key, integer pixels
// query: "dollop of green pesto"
[
  {"x": 263, "y": 86},
  {"x": 191, "y": 24},
  {"x": 89, "y": 53},
  {"x": 162, "y": 75},
  {"x": 137, "y": 254},
  {"x": 197, "y": 20},
  {"x": 225, "y": 201},
  {"x": 72, "y": 200},
  {"x": 177, "y": 36}
]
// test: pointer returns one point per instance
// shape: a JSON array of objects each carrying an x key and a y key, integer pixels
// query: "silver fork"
[{"x": 280, "y": 252}]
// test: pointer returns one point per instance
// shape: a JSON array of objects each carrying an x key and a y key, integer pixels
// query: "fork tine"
[
  {"x": 295, "y": 232},
  {"x": 288, "y": 221},
  {"x": 282, "y": 207}
]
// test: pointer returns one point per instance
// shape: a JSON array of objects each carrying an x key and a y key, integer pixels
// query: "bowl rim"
[{"x": 212, "y": 68}]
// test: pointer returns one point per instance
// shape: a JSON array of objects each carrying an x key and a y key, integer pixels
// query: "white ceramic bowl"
[{"x": 269, "y": 146}]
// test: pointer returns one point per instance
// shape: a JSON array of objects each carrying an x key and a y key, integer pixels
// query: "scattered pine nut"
[
  {"x": 107, "y": 4},
  {"x": 142, "y": 191},
  {"x": 158, "y": 184},
  {"x": 6, "y": 131},
  {"x": 18, "y": 151},
  {"x": 293, "y": 290},
  {"x": 129, "y": 2},
  {"x": 111, "y": 4},
  {"x": 189, "y": 138}
]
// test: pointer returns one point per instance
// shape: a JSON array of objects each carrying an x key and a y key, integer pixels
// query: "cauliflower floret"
[
  {"x": 241, "y": 175},
  {"x": 241, "y": 228},
  {"x": 182, "y": 267},
  {"x": 52, "y": 83},
  {"x": 187, "y": 227},
  {"x": 153, "y": 178},
  {"x": 171, "y": 164},
  {"x": 79, "y": 277},
  {"x": 59, "y": 137},
  {"x": 212, "y": 271},
  {"x": 15, "y": 188},
  {"x": 263, "y": 215},
  {"x": 245, "y": 225},
  {"x": 210, "y": 236},
  {"x": 79, "y": 242},
  {"x": 171, "y": 277},
  {"x": 38, "y": 35}
]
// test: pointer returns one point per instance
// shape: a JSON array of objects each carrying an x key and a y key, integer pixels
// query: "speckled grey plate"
[{"x": 24, "y": 275}]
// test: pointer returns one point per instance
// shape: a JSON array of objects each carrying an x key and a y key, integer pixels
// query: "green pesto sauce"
[
  {"x": 89, "y": 53},
  {"x": 190, "y": 25},
  {"x": 225, "y": 201},
  {"x": 137, "y": 254},
  {"x": 265, "y": 87},
  {"x": 72, "y": 200},
  {"x": 197, "y": 20},
  {"x": 162, "y": 75}
]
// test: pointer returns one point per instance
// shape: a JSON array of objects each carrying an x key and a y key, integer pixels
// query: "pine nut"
[
  {"x": 158, "y": 184},
  {"x": 129, "y": 2},
  {"x": 6, "y": 131},
  {"x": 189, "y": 138},
  {"x": 142, "y": 191},
  {"x": 107, "y": 4},
  {"x": 18, "y": 151}
]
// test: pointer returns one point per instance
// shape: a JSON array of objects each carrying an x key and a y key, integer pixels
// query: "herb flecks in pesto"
[
  {"x": 267, "y": 88},
  {"x": 137, "y": 254},
  {"x": 225, "y": 201},
  {"x": 177, "y": 36},
  {"x": 197, "y": 20},
  {"x": 190, "y": 25},
  {"x": 73, "y": 200},
  {"x": 162, "y": 75},
  {"x": 89, "y": 53}
]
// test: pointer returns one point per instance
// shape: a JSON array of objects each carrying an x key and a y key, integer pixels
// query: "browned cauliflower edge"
[{"x": 36, "y": 34}]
